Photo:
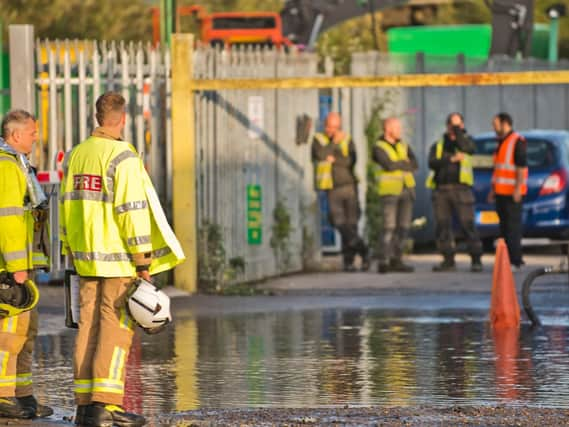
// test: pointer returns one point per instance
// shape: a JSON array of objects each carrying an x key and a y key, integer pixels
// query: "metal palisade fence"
[
  {"x": 251, "y": 165},
  {"x": 70, "y": 77}
]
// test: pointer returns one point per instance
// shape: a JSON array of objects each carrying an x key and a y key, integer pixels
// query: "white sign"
[{"x": 256, "y": 117}]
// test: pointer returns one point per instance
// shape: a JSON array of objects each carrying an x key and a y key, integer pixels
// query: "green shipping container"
[{"x": 450, "y": 40}]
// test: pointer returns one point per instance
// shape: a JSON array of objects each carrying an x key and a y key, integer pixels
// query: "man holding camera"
[{"x": 451, "y": 180}]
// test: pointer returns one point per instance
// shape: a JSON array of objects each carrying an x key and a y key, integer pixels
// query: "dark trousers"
[
  {"x": 510, "y": 214},
  {"x": 455, "y": 201},
  {"x": 397, "y": 213},
  {"x": 344, "y": 213}
]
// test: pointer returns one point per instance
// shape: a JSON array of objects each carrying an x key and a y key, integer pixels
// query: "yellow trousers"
[
  {"x": 17, "y": 338},
  {"x": 103, "y": 340}
]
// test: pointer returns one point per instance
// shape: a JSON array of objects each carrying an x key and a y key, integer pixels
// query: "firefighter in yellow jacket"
[
  {"x": 19, "y": 204},
  {"x": 109, "y": 228}
]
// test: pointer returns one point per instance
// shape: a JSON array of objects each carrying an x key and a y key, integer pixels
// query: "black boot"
[
  {"x": 398, "y": 266},
  {"x": 10, "y": 407},
  {"x": 365, "y": 258},
  {"x": 101, "y": 415},
  {"x": 349, "y": 267},
  {"x": 447, "y": 265},
  {"x": 348, "y": 260},
  {"x": 80, "y": 415},
  {"x": 476, "y": 266},
  {"x": 40, "y": 411}
]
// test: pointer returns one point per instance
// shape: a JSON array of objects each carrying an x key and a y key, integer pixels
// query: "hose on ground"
[{"x": 526, "y": 288}]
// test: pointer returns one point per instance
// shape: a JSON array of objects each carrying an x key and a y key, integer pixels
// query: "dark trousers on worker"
[
  {"x": 510, "y": 213},
  {"x": 397, "y": 213},
  {"x": 344, "y": 214},
  {"x": 455, "y": 201}
]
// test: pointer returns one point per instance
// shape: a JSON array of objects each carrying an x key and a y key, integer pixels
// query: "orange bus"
[{"x": 230, "y": 28}]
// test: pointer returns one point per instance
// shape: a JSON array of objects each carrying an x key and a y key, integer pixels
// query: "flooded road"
[{"x": 321, "y": 352}]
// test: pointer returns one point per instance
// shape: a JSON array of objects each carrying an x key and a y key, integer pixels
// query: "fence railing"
[{"x": 70, "y": 77}]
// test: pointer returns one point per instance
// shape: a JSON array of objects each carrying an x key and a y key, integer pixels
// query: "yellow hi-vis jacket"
[
  {"x": 324, "y": 180},
  {"x": 391, "y": 183},
  {"x": 16, "y": 221},
  {"x": 465, "y": 176},
  {"x": 110, "y": 213}
]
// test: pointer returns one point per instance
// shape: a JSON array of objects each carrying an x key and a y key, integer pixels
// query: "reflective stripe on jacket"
[
  {"x": 504, "y": 175},
  {"x": 106, "y": 212},
  {"x": 466, "y": 175},
  {"x": 391, "y": 183}
]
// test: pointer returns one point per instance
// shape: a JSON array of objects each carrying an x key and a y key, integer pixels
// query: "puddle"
[{"x": 329, "y": 357}]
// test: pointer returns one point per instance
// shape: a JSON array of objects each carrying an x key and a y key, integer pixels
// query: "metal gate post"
[
  {"x": 184, "y": 159},
  {"x": 22, "y": 68}
]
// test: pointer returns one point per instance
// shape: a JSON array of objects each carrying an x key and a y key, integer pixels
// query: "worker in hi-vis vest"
[
  {"x": 451, "y": 180},
  {"x": 23, "y": 209},
  {"x": 334, "y": 157},
  {"x": 395, "y": 183},
  {"x": 110, "y": 230},
  {"x": 509, "y": 184}
]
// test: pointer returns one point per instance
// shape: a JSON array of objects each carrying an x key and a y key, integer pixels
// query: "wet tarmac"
[{"x": 388, "y": 359}]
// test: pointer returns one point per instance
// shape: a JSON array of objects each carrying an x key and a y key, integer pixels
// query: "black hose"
[{"x": 526, "y": 287}]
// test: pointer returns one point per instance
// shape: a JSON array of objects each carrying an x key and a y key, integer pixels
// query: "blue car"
[{"x": 546, "y": 207}]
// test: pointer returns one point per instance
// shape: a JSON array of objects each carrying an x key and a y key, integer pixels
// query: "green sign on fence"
[{"x": 254, "y": 215}]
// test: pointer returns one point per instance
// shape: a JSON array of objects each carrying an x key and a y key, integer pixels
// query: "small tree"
[{"x": 280, "y": 239}]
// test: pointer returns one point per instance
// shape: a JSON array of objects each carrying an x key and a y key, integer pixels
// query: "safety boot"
[
  {"x": 101, "y": 415},
  {"x": 365, "y": 261},
  {"x": 382, "y": 268},
  {"x": 80, "y": 415},
  {"x": 447, "y": 265},
  {"x": 10, "y": 407},
  {"x": 476, "y": 265},
  {"x": 397, "y": 266},
  {"x": 40, "y": 411},
  {"x": 349, "y": 268}
]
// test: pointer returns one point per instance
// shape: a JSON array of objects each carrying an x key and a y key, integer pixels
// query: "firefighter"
[
  {"x": 396, "y": 188},
  {"x": 112, "y": 232},
  {"x": 334, "y": 157},
  {"x": 451, "y": 180},
  {"x": 509, "y": 184},
  {"x": 21, "y": 200}
]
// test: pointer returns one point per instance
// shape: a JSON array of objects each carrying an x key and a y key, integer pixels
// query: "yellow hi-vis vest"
[
  {"x": 391, "y": 183},
  {"x": 324, "y": 179},
  {"x": 109, "y": 211},
  {"x": 16, "y": 221},
  {"x": 465, "y": 176}
]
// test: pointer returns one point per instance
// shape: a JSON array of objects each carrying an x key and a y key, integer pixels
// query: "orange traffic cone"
[{"x": 504, "y": 307}]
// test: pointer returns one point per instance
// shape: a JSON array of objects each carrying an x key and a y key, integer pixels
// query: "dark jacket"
[{"x": 447, "y": 172}]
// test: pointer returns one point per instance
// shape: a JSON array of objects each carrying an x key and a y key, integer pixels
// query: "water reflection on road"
[{"x": 326, "y": 357}]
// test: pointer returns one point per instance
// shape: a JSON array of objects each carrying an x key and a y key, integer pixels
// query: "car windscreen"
[
  {"x": 244, "y": 23},
  {"x": 540, "y": 153}
]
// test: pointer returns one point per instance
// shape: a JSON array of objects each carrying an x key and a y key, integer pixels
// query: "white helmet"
[{"x": 149, "y": 306}]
